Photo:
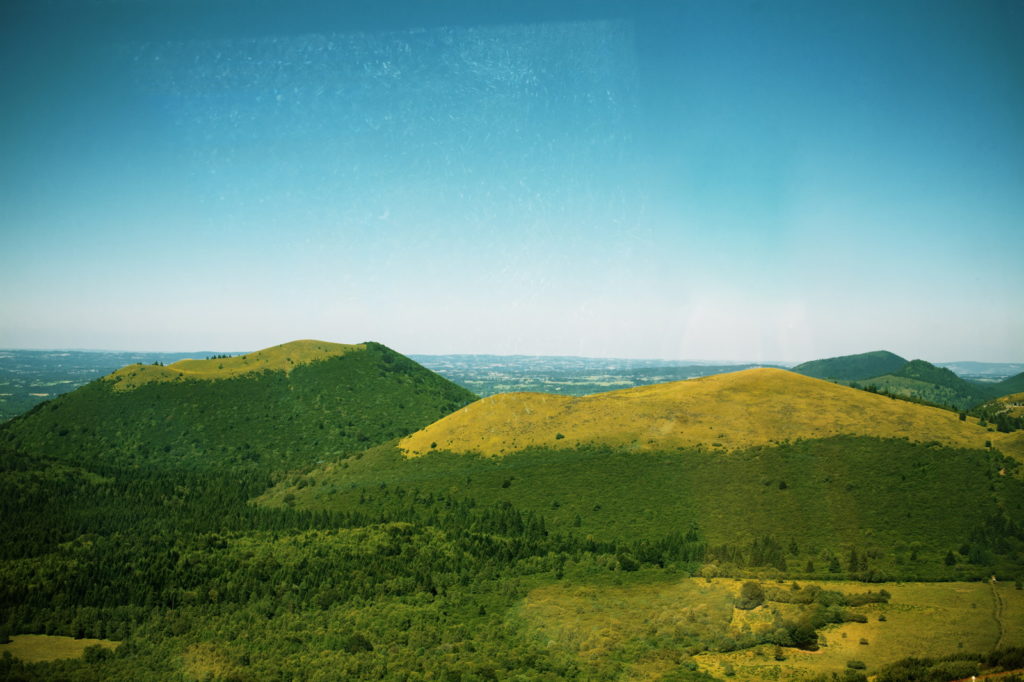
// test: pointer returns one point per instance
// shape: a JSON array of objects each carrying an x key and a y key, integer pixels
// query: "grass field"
[
  {"x": 284, "y": 357},
  {"x": 35, "y": 648},
  {"x": 636, "y": 631},
  {"x": 723, "y": 412},
  {"x": 643, "y": 628},
  {"x": 921, "y": 619}
]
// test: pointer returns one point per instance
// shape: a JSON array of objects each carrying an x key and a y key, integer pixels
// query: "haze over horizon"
[{"x": 719, "y": 181}]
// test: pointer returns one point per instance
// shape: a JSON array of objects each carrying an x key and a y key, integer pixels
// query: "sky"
[{"x": 748, "y": 181}]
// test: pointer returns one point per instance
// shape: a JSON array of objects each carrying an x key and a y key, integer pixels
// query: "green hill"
[
  {"x": 852, "y": 367},
  {"x": 291, "y": 405},
  {"x": 926, "y": 371},
  {"x": 1014, "y": 384},
  {"x": 920, "y": 380}
]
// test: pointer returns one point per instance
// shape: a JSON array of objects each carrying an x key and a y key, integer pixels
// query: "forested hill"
[
  {"x": 1014, "y": 384},
  {"x": 853, "y": 367},
  {"x": 292, "y": 405},
  {"x": 940, "y": 376}
]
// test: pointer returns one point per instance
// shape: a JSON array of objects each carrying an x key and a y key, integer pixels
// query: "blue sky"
[{"x": 728, "y": 180}]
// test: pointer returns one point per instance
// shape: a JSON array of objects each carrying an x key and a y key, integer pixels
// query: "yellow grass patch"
[
  {"x": 284, "y": 357},
  {"x": 205, "y": 661},
  {"x": 604, "y": 624},
  {"x": 642, "y": 631},
  {"x": 36, "y": 648},
  {"x": 724, "y": 411},
  {"x": 921, "y": 619}
]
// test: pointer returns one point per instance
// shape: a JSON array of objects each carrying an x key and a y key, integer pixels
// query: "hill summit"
[
  {"x": 722, "y": 412},
  {"x": 284, "y": 357},
  {"x": 289, "y": 405},
  {"x": 853, "y": 367}
]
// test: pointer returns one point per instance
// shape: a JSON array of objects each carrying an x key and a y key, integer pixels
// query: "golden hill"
[
  {"x": 724, "y": 411},
  {"x": 284, "y": 357}
]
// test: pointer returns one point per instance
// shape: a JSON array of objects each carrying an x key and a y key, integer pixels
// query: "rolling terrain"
[
  {"x": 326, "y": 511},
  {"x": 740, "y": 457}
]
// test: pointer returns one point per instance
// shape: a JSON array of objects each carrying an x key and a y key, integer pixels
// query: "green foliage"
[
  {"x": 953, "y": 667},
  {"x": 751, "y": 596},
  {"x": 884, "y": 502}
]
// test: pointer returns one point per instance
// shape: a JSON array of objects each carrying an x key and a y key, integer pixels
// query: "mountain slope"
[
  {"x": 290, "y": 405},
  {"x": 725, "y": 411},
  {"x": 922, "y": 380},
  {"x": 852, "y": 367},
  {"x": 752, "y": 459},
  {"x": 1014, "y": 384}
]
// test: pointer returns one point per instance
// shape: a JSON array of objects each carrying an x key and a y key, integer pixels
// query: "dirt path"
[
  {"x": 997, "y": 612},
  {"x": 992, "y": 676}
]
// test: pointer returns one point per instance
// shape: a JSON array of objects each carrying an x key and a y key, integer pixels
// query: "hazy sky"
[{"x": 700, "y": 180}]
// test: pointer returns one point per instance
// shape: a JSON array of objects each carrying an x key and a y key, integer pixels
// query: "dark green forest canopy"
[{"x": 887, "y": 496}]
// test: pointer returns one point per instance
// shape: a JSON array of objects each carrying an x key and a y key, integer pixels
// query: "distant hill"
[
  {"x": 290, "y": 405},
  {"x": 988, "y": 372},
  {"x": 852, "y": 367},
  {"x": 922, "y": 380},
  {"x": 1014, "y": 384},
  {"x": 925, "y": 371},
  {"x": 720, "y": 412}
]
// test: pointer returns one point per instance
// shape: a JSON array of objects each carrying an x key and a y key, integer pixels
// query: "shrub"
[
  {"x": 96, "y": 653},
  {"x": 856, "y": 665},
  {"x": 751, "y": 596}
]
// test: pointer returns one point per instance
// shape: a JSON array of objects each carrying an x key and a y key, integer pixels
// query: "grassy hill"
[
  {"x": 852, "y": 367},
  {"x": 290, "y": 405},
  {"x": 722, "y": 412}
]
